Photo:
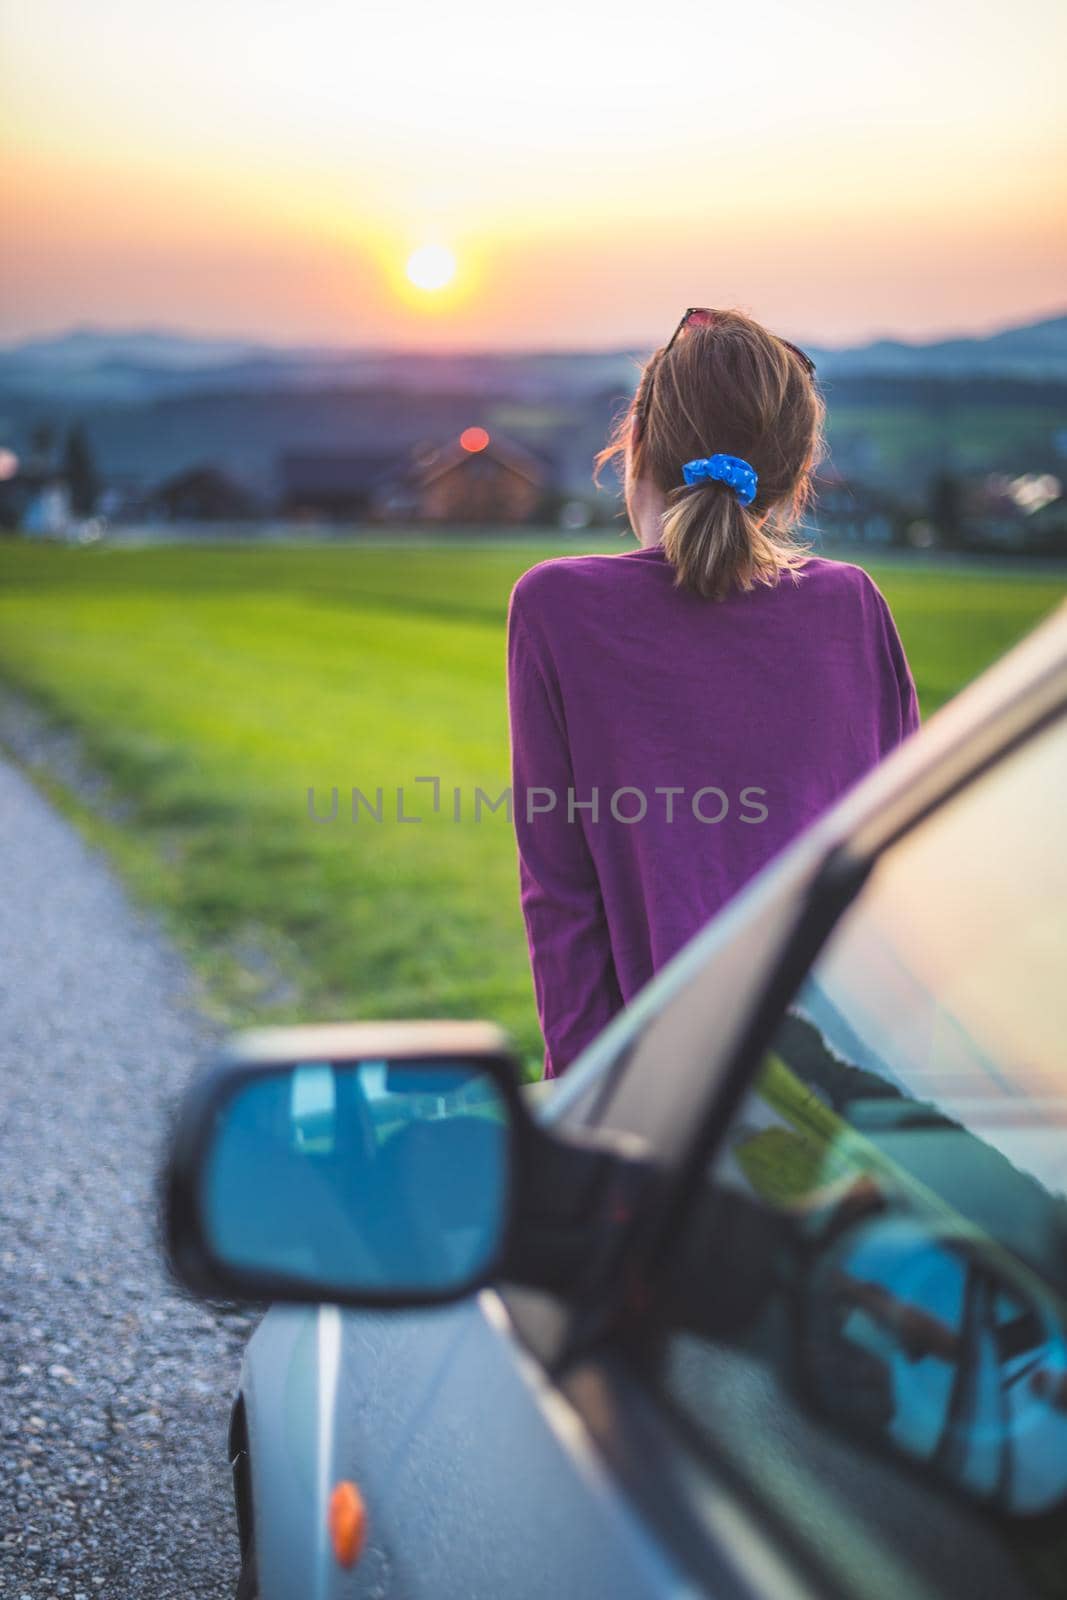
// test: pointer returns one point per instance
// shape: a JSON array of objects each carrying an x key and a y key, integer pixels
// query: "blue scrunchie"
[{"x": 724, "y": 469}]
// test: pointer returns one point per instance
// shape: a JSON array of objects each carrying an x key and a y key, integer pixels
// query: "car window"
[{"x": 867, "y": 1317}]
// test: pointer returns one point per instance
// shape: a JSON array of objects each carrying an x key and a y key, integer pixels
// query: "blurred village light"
[
  {"x": 574, "y": 516},
  {"x": 9, "y": 464},
  {"x": 921, "y": 534},
  {"x": 1033, "y": 490}
]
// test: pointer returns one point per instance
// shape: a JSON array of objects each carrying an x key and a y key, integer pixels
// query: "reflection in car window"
[{"x": 897, "y": 1380}]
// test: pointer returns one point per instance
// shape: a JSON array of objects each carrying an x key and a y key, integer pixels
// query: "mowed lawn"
[{"x": 215, "y": 685}]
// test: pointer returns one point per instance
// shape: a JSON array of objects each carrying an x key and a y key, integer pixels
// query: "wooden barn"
[{"x": 479, "y": 479}]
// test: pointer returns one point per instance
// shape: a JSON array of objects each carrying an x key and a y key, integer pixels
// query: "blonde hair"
[{"x": 732, "y": 387}]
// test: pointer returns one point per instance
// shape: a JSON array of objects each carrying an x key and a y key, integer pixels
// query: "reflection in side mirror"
[
  {"x": 373, "y": 1180},
  {"x": 946, "y": 1353}
]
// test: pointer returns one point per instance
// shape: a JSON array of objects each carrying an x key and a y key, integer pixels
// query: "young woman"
[{"x": 680, "y": 711}]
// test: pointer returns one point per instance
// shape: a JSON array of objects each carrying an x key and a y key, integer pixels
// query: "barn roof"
[{"x": 504, "y": 451}]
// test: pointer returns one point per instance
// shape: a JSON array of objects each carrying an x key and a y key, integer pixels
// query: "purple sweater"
[{"x": 665, "y": 747}]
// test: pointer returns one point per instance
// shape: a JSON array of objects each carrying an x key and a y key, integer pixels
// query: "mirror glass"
[
  {"x": 947, "y": 1354},
  {"x": 369, "y": 1176}
]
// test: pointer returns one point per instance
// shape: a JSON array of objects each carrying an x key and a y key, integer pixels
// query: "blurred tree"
[
  {"x": 42, "y": 446},
  {"x": 79, "y": 469},
  {"x": 946, "y": 508}
]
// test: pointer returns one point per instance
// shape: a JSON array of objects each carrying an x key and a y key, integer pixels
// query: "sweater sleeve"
[
  {"x": 575, "y": 983},
  {"x": 900, "y": 704}
]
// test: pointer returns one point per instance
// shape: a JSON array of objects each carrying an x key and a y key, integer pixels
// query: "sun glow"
[
  {"x": 431, "y": 267},
  {"x": 361, "y": 180}
]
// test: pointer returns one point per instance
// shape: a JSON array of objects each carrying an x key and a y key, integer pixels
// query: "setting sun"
[{"x": 432, "y": 266}]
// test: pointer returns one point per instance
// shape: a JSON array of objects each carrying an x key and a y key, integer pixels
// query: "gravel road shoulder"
[{"x": 114, "y": 1389}]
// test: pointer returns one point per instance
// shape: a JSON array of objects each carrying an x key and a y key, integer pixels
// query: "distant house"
[
  {"x": 46, "y": 511},
  {"x": 847, "y": 511},
  {"x": 34, "y": 498},
  {"x": 477, "y": 478},
  {"x": 200, "y": 494},
  {"x": 347, "y": 487}
]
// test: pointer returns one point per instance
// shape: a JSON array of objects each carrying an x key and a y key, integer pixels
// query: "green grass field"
[{"x": 213, "y": 686}]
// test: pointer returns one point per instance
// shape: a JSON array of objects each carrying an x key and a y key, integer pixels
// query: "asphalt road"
[{"x": 114, "y": 1389}]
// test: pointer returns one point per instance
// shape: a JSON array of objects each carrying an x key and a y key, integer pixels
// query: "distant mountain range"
[
  {"x": 97, "y": 366},
  {"x": 94, "y": 366},
  {"x": 1030, "y": 350}
]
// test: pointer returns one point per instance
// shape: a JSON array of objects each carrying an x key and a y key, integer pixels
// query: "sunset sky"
[{"x": 260, "y": 168}]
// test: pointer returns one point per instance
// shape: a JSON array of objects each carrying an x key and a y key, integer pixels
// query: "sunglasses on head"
[
  {"x": 701, "y": 317},
  {"x": 704, "y": 317}
]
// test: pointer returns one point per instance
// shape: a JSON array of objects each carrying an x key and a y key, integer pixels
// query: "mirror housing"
[{"x": 383, "y": 1164}]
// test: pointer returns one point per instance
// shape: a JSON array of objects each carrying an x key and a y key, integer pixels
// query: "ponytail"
[{"x": 715, "y": 544}]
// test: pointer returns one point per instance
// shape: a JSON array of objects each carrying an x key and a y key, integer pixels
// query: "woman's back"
[
  {"x": 680, "y": 712},
  {"x": 664, "y": 748}
]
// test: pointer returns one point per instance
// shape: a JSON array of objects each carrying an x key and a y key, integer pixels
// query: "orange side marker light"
[{"x": 347, "y": 1521}]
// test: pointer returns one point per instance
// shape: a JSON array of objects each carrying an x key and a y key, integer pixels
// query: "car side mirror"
[
  {"x": 362, "y": 1164},
  {"x": 387, "y": 1164}
]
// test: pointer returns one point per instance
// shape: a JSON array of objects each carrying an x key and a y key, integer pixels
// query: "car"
[{"x": 764, "y": 1299}]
